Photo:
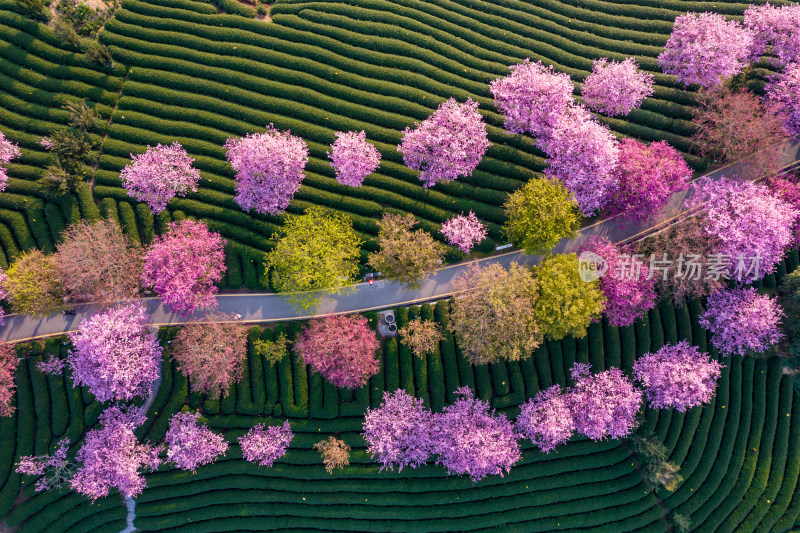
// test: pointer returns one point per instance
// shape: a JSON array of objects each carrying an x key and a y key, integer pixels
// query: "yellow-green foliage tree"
[
  {"x": 33, "y": 285},
  {"x": 539, "y": 215},
  {"x": 405, "y": 256},
  {"x": 566, "y": 304},
  {"x": 493, "y": 315},
  {"x": 316, "y": 255}
]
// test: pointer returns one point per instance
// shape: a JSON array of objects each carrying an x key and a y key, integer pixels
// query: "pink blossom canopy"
[
  {"x": 741, "y": 321},
  {"x": 353, "y": 158},
  {"x": 265, "y": 445},
  {"x": 469, "y": 438},
  {"x": 398, "y": 433},
  {"x": 605, "y": 404},
  {"x": 269, "y": 169},
  {"x": 616, "y": 88},
  {"x": 8, "y": 151},
  {"x": 112, "y": 457},
  {"x": 115, "y": 355},
  {"x": 532, "y": 98},
  {"x": 776, "y": 31},
  {"x": 8, "y": 367},
  {"x": 160, "y": 174},
  {"x": 184, "y": 265},
  {"x": 749, "y": 220},
  {"x": 677, "y": 375},
  {"x": 705, "y": 49},
  {"x": 647, "y": 176},
  {"x": 546, "y": 419},
  {"x": 783, "y": 93},
  {"x": 53, "y": 366},
  {"x": 448, "y": 144},
  {"x": 54, "y": 470},
  {"x": 191, "y": 444},
  {"x": 583, "y": 155},
  {"x": 464, "y": 231}
]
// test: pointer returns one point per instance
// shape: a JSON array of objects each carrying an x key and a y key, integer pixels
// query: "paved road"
[{"x": 266, "y": 307}]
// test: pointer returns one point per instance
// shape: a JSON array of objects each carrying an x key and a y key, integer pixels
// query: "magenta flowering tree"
[
  {"x": 469, "y": 438},
  {"x": 448, "y": 144},
  {"x": 677, "y": 375},
  {"x": 191, "y": 444},
  {"x": 583, "y": 156},
  {"x": 269, "y": 169},
  {"x": 787, "y": 187},
  {"x": 464, "y": 231},
  {"x": 647, "y": 176},
  {"x": 53, "y": 470},
  {"x": 3, "y": 293},
  {"x": 160, "y": 174},
  {"x": 605, "y": 404},
  {"x": 616, "y": 88},
  {"x": 8, "y": 151},
  {"x": 776, "y": 31},
  {"x": 398, "y": 433},
  {"x": 8, "y": 367},
  {"x": 628, "y": 288},
  {"x": 52, "y": 366},
  {"x": 742, "y": 321},
  {"x": 264, "y": 445},
  {"x": 532, "y": 98},
  {"x": 115, "y": 355},
  {"x": 340, "y": 347},
  {"x": 705, "y": 49},
  {"x": 353, "y": 158},
  {"x": 184, "y": 265},
  {"x": 749, "y": 221},
  {"x": 112, "y": 457},
  {"x": 546, "y": 419},
  {"x": 782, "y": 93}
]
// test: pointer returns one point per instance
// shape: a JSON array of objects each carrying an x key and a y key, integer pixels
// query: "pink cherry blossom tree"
[
  {"x": 52, "y": 366},
  {"x": 265, "y": 445},
  {"x": 616, "y": 88},
  {"x": 787, "y": 187},
  {"x": 532, "y": 98},
  {"x": 464, "y": 231},
  {"x": 3, "y": 294},
  {"x": 776, "y": 31},
  {"x": 160, "y": 174},
  {"x": 398, "y": 433},
  {"x": 605, "y": 404},
  {"x": 184, "y": 265},
  {"x": 8, "y": 151},
  {"x": 448, "y": 144},
  {"x": 8, "y": 367},
  {"x": 647, "y": 176},
  {"x": 749, "y": 221},
  {"x": 115, "y": 355},
  {"x": 191, "y": 444},
  {"x": 353, "y": 158},
  {"x": 677, "y": 375},
  {"x": 782, "y": 93},
  {"x": 111, "y": 456},
  {"x": 583, "y": 155},
  {"x": 469, "y": 438},
  {"x": 269, "y": 169},
  {"x": 628, "y": 288},
  {"x": 742, "y": 321},
  {"x": 53, "y": 470},
  {"x": 340, "y": 347},
  {"x": 546, "y": 419},
  {"x": 705, "y": 49}
]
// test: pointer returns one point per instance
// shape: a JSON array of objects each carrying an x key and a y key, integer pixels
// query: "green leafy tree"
[
  {"x": 566, "y": 304},
  {"x": 493, "y": 315},
  {"x": 72, "y": 147},
  {"x": 273, "y": 351},
  {"x": 317, "y": 255},
  {"x": 540, "y": 214},
  {"x": 405, "y": 256},
  {"x": 33, "y": 285}
]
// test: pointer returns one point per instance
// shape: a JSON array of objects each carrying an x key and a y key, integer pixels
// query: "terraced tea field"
[
  {"x": 739, "y": 455},
  {"x": 185, "y": 72}
]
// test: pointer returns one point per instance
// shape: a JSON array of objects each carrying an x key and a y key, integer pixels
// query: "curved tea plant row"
[{"x": 739, "y": 455}]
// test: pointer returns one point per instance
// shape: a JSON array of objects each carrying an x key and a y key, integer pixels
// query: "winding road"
[{"x": 269, "y": 307}]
